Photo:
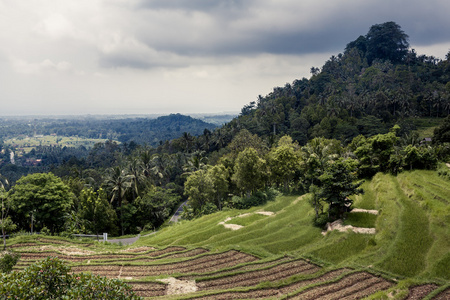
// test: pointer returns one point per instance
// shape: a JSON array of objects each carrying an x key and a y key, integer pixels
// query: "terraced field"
[{"x": 275, "y": 252}]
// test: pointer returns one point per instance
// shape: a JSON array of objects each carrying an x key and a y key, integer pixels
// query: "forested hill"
[
  {"x": 140, "y": 130},
  {"x": 152, "y": 131},
  {"x": 376, "y": 82}
]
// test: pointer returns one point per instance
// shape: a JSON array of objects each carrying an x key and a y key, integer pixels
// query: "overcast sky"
[{"x": 189, "y": 56}]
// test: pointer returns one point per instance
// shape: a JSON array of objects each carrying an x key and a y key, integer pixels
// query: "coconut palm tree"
[{"x": 119, "y": 182}]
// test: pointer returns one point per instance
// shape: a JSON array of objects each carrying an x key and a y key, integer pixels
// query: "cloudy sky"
[{"x": 61, "y": 57}]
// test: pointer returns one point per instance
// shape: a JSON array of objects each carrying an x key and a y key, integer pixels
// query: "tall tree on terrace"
[
  {"x": 284, "y": 161},
  {"x": 250, "y": 171},
  {"x": 118, "y": 182},
  {"x": 337, "y": 185}
]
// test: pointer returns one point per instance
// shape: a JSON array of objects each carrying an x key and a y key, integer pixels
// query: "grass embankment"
[
  {"x": 411, "y": 247},
  {"x": 411, "y": 240}
]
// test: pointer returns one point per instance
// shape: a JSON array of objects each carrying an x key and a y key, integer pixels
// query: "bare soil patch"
[
  {"x": 337, "y": 225},
  {"x": 237, "y": 227},
  {"x": 177, "y": 287},
  {"x": 420, "y": 291},
  {"x": 369, "y": 211}
]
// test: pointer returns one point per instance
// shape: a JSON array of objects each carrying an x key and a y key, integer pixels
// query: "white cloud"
[
  {"x": 94, "y": 56},
  {"x": 24, "y": 67}
]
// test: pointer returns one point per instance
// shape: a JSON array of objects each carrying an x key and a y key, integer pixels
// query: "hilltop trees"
[{"x": 386, "y": 41}]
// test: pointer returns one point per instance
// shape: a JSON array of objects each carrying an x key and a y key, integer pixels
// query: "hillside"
[
  {"x": 378, "y": 81},
  {"x": 409, "y": 253},
  {"x": 140, "y": 130}
]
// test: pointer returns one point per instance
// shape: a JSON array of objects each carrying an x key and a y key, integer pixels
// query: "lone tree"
[{"x": 337, "y": 185}]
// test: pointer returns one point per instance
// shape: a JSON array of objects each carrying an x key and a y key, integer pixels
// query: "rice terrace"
[{"x": 275, "y": 253}]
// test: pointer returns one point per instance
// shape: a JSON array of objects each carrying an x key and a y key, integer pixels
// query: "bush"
[
  {"x": 7, "y": 261},
  {"x": 45, "y": 231},
  {"x": 444, "y": 171},
  {"x": 321, "y": 221},
  {"x": 51, "y": 279},
  {"x": 258, "y": 198}
]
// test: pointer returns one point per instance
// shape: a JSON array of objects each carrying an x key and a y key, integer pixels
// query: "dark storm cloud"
[{"x": 320, "y": 27}]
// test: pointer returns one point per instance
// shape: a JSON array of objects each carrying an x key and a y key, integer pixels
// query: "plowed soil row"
[
  {"x": 23, "y": 245},
  {"x": 41, "y": 255},
  {"x": 149, "y": 289},
  {"x": 251, "y": 278},
  {"x": 420, "y": 291},
  {"x": 445, "y": 295},
  {"x": 272, "y": 292},
  {"x": 139, "y": 249},
  {"x": 50, "y": 241},
  {"x": 202, "y": 264},
  {"x": 250, "y": 267},
  {"x": 190, "y": 253},
  {"x": 349, "y": 287}
]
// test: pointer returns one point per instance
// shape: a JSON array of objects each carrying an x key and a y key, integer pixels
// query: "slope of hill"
[
  {"x": 273, "y": 251},
  {"x": 139, "y": 130}
]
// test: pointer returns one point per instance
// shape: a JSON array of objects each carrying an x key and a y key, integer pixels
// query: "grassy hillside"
[
  {"x": 411, "y": 239},
  {"x": 273, "y": 251}
]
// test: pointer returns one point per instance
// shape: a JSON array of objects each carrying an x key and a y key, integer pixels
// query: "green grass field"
[
  {"x": 411, "y": 248},
  {"x": 28, "y": 143}
]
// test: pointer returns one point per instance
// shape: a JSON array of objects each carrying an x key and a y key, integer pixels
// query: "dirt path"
[
  {"x": 235, "y": 226},
  {"x": 176, "y": 216},
  {"x": 337, "y": 225}
]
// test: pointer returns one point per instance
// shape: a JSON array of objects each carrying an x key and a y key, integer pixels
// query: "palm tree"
[
  {"x": 197, "y": 162},
  {"x": 118, "y": 181},
  {"x": 187, "y": 139},
  {"x": 159, "y": 167},
  {"x": 135, "y": 168}
]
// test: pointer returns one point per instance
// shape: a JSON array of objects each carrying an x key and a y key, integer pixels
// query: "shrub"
[
  {"x": 51, "y": 279},
  {"x": 258, "y": 198},
  {"x": 321, "y": 221},
  {"x": 7, "y": 261}
]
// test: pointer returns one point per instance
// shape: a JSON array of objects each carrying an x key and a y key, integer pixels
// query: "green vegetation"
[
  {"x": 410, "y": 246},
  {"x": 50, "y": 279},
  {"x": 411, "y": 238}
]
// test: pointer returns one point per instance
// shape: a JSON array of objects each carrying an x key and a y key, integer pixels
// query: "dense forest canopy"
[
  {"x": 139, "y": 130},
  {"x": 353, "y": 118}
]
